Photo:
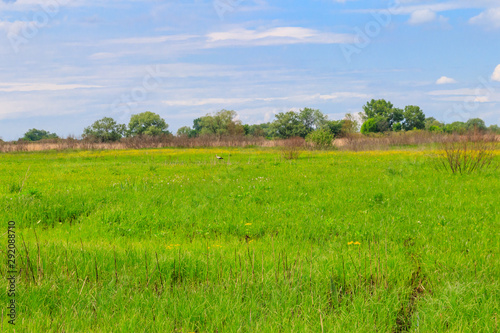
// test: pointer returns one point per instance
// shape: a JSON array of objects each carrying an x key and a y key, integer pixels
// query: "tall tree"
[
  {"x": 104, "y": 130},
  {"x": 184, "y": 131},
  {"x": 287, "y": 125},
  {"x": 382, "y": 109},
  {"x": 475, "y": 124},
  {"x": 312, "y": 119},
  {"x": 147, "y": 123},
  {"x": 375, "y": 108},
  {"x": 414, "y": 117},
  {"x": 222, "y": 123}
]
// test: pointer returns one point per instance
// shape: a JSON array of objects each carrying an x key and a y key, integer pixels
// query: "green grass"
[{"x": 172, "y": 240}]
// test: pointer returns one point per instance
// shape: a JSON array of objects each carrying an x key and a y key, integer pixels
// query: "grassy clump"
[{"x": 467, "y": 154}]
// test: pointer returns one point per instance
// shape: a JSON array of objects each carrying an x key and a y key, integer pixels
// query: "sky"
[{"x": 65, "y": 64}]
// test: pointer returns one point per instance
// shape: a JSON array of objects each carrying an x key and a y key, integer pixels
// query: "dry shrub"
[
  {"x": 466, "y": 154},
  {"x": 291, "y": 148}
]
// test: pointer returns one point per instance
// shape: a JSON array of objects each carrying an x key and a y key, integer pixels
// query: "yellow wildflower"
[
  {"x": 350, "y": 243},
  {"x": 248, "y": 223}
]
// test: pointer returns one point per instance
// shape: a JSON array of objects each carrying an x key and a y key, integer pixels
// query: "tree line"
[{"x": 378, "y": 116}]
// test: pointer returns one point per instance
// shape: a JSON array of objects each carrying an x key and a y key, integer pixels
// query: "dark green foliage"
[
  {"x": 37, "y": 135},
  {"x": 475, "y": 124},
  {"x": 379, "y": 107},
  {"x": 222, "y": 123},
  {"x": 387, "y": 115},
  {"x": 257, "y": 129},
  {"x": 335, "y": 127},
  {"x": 414, "y": 118},
  {"x": 147, "y": 123},
  {"x": 312, "y": 119},
  {"x": 293, "y": 124},
  {"x": 104, "y": 130},
  {"x": 288, "y": 125}
]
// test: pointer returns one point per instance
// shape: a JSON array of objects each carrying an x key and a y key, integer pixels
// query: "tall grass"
[
  {"x": 352, "y": 142},
  {"x": 166, "y": 240},
  {"x": 467, "y": 154}
]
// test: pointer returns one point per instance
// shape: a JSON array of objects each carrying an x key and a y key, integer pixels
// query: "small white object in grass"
[{"x": 218, "y": 157}]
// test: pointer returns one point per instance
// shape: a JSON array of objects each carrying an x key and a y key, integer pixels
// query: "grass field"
[{"x": 172, "y": 240}]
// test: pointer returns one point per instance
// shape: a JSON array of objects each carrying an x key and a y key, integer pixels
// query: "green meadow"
[{"x": 173, "y": 240}]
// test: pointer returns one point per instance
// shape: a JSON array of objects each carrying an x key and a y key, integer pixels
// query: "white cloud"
[
  {"x": 24, "y": 87},
  {"x": 277, "y": 36},
  {"x": 458, "y": 92},
  {"x": 422, "y": 16},
  {"x": 467, "y": 95},
  {"x": 482, "y": 99},
  {"x": 496, "y": 74},
  {"x": 14, "y": 28},
  {"x": 445, "y": 80},
  {"x": 232, "y": 101},
  {"x": 152, "y": 40},
  {"x": 489, "y": 18}
]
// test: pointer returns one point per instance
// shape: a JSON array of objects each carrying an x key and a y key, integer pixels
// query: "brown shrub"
[
  {"x": 467, "y": 153},
  {"x": 292, "y": 147}
]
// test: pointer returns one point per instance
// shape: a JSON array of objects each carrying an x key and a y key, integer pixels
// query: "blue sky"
[{"x": 65, "y": 64}]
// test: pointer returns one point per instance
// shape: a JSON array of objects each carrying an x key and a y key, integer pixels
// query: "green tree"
[
  {"x": 184, "y": 131},
  {"x": 349, "y": 125},
  {"x": 221, "y": 123},
  {"x": 475, "y": 124},
  {"x": 414, "y": 117},
  {"x": 382, "y": 109},
  {"x": 147, "y": 123},
  {"x": 37, "y": 135},
  {"x": 104, "y": 130},
  {"x": 257, "y": 129},
  {"x": 494, "y": 129},
  {"x": 431, "y": 121},
  {"x": 293, "y": 124},
  {"x": 455, "y": 127},
  {"x": 312, "y": 119},
  {"x": 335, "y": 127},
  {"x": 288, "y": 125},
  {"x": 375, "y": 108}
]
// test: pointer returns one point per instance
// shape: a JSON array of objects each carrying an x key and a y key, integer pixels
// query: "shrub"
[
  {"x": 435, "y": 128},
  {"x": 321, "y": 138},
  {"x": 291, "y": 148},
  {"x": 467, "y": 154}
]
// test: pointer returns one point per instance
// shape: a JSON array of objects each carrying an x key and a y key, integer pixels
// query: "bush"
[
  {"x": 435, "y": 128},
  {"x": 321, "y": 138},
  {"x": 291, "y": 148},
  {"x": 465, "y": 155},
  {"x": 37, "y": 135}
]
